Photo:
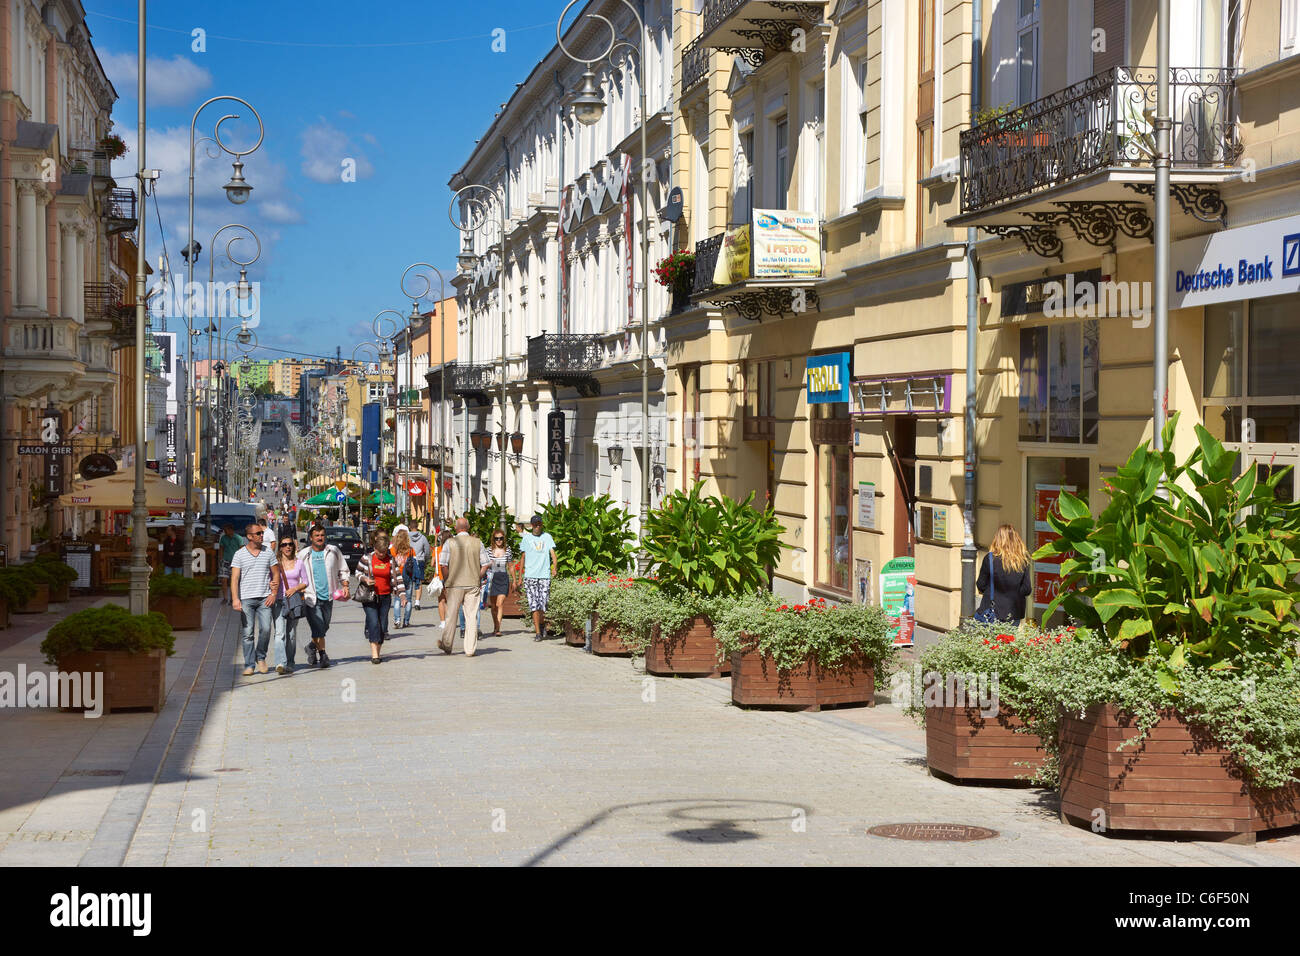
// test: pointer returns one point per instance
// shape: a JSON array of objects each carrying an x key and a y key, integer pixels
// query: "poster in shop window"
[
  {"x": 1047, "y": 571},
  {"x": 898, "y": 598},
  {"x": 862, "y": 575}
]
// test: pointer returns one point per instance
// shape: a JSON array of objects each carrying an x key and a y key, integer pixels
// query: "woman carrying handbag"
[
  {"x": 1004, "y": 579},
  {"x": 378, "y": 584},
  {"x": 289, "y": 605}
]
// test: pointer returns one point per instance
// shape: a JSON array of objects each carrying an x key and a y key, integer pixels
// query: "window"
[
  {"x": 760, "y": 404},
  {"x": 1251, "y": 394},
  {"x": 924, "y": 111},
  {"x": 863, "y": 186},
  {"x": 1027, "y": 52},
  {"x": 690, "y": 425},
  {"x": 1058, "y": 383},
  {"x": 782, "y": 164},
  {"x": 700, "y": 201},
  {"x": 834, "y": 466},
  {"x": 743, "y": 179},
  {"x": 1047, "y": 478},
  {"x": 1290, "y": 27}
]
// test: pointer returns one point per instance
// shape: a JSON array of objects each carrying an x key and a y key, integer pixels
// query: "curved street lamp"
[
  {"x": 474, "y": 216},
  {"x": 382, "y": 338},
  {"x": 588, "y": 107},
  {"x": 237, "y": 191},
  {"x": 442, "y": 358}
]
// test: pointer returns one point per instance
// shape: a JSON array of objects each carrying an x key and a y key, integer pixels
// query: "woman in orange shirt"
[{"x": 376, "y": 570}]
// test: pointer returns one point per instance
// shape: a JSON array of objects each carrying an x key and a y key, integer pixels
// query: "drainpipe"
[
  {"x": 1164, "y": 127},
  {"x": 559, "y": 264},
  {"x": 969, "y": 552}
]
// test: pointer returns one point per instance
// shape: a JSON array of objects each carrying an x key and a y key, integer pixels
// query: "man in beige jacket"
[{"x": 465, "y": 562}]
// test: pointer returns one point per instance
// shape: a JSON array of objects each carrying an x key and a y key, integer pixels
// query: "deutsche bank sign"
[{"x": 1246, "y": 263}]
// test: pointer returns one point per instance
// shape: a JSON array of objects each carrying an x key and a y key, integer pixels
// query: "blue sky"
[{"x": 403, "y": 88}]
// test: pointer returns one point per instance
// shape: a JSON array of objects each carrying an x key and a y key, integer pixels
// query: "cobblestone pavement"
[{"x": 540, "y": 754}]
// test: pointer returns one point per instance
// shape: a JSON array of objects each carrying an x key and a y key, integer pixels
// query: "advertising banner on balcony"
[
  {"x": 733, "y": 257},
  {"x": 787, "y": 243}
]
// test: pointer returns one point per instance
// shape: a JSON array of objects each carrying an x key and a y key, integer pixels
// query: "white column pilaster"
[{"x": 29, "y": 247}]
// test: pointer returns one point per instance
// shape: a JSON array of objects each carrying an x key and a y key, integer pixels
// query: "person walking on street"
[
  {"x": 403, "y": 567},
  {"x": 293, "y": 582},
  {"x": 539, "y": 568},
  {"x": 1004, "y": 579},
  {"x": 173, "y": 552},
  {"x": 498, "y": 578},
  {"x": 327, "y": 581},
  {"x": 254, "y": 579},
  {"x": 466, "y": 562},
  {"x": 376, "y": 571},
  {"x": 228, "y": 546},
  {"x": 423, "y": 552}
]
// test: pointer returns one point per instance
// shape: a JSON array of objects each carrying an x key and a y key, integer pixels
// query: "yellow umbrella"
[{"x": 116, "y": 493}]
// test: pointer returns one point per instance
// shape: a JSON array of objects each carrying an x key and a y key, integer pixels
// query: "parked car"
[{"x": 349, "y": 542}]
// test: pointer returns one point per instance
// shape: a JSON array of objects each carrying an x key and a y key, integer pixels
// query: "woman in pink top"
[{"x": 292, "y": 580}]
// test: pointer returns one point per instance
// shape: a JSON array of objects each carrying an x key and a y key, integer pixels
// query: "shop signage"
[
  {"x": 898, "y": 598},
  {"x": 555, "y": 450},
  {"x": 786, "y": 243},
  {"x": 1028, "y": 298},
  {"x": 866, "y": 505},
  {"x": 171, "y": 445},
  {"x": 827, "y": 378},
  {"x": 415, "y": 488},
  {"x": 733, "y": 257},
  {"x": 1249, "y": 262},
  {"x": 97, "y": 465}
]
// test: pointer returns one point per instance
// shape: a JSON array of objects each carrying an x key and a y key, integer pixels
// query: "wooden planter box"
[
  {"x": 574, "y": 637},
  {"x": 515, "y": 604},
  {"x": 755, "y": 682},
  {"x": 1179, "y": 781},
  {"x": 606, "y": 641},
  {"x": 130, "y": 680},
  {"x": 691, "y": 652},
  {"x": 182, "y": 613},
  {"x": 4, "y": 613},
  {"x": 963, "y": 744},
  {"x": 61, "y": 594},
  {"x": 38, "y": 603}
]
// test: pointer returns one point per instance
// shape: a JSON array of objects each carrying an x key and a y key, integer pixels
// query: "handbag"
[
  {"x": 365, "y": 593},
  {"x": 989, "y": 615},
  {"x": 295, "y": 607}
]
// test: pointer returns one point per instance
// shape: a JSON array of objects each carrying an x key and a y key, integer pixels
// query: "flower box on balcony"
[{"x": 1016, "y": 140}]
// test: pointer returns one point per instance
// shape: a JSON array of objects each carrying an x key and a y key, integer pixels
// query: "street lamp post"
[
  {"x": 237, "y": 191},
  {"x": 139, "y": 599},
  {"x": 442, "y": 353},
  {"x": 474, "y": 217},
  {"x": 383, "y": 357},
  {"x": 588, "y": 107}
]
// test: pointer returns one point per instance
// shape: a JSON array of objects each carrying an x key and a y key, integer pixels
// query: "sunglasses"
[
  {"x": 256, "y": 534},
  {"x": 286, "y": 544}
]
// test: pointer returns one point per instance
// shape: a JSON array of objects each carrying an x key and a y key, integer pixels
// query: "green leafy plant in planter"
[
  {"x": 17, "y": 587},
  {"x": 794, "y": 633},
  {"x": 592, "y": 535},
  {"x": 635, "y": 606},
  {"x": 176, "y": 585},
  {"x": 711, "y": 546},
  {"x": 110, "y": 628},
  {"x": 483, "y": 521},
  {"x": 1195, "y": 580},
  {"x": 573, "y": 600}
]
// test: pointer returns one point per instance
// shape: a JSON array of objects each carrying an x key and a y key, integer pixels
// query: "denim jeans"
[
  {"x": 255, "y": 612},
  {"x": 377, "y": 618},
  {"x": 318, "y": 617},
  {"x": 401, "y": 613},
  {"x": 413, "y": 593},
  {"x": 173, "y": 570},
  {"x": 286, "y": 628}
]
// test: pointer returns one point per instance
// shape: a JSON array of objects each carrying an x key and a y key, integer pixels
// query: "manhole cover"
[
  {"x": 953, "y": 832},
  {"x": 94, "y": 773}
]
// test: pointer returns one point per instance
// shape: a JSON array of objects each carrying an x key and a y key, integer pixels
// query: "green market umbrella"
[
  {"x": 381, "y": 498},
  {"x": 326, "y": 498}
]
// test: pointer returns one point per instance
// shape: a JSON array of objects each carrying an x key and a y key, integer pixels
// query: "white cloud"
[
  {"x": 174, "y": 82},
  {"x": 324, "y": 150}
]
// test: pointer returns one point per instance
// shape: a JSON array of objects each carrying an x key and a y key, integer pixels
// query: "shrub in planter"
[
  {"x": 711, "y": 546},
  {"x": 571, "y": 604},
  {"x": 130, "y": 651},
  {"x": 805, "y": 655},
  {"x": 628, "y": 610},
  {"x": 970, "y": 693},
  {"x": 592, "y": 535},
  {"x": 1194, "y": 600},
  {"x": 50, "y": 569},
  {"x": 179, "y": 586},
  {"x": 17, "y": 587},
  {"x": 179, "y": 599}
]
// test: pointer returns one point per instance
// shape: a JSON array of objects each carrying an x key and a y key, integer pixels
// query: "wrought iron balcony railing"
[
  {"x": 563, "y": 358},
  {"x": 706, "y": 261},
  {"x": 106, "y": 300},
  {"x": 471, "y": 379},
  {"x": 695, "y": 64},
  {"x": 121, "y": 210},
  {"x": 1105, "y": 121}
]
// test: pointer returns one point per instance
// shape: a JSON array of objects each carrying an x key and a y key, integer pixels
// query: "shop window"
[
  {"x": 760, "y": 421},
  {"x": 690, "y": 425},
  {"x": 1251, "y": 394},
  {"x": 1047, "y": 478},
  {"x": 834, "y": 469},
  {"x": 1059, "y": 367}
]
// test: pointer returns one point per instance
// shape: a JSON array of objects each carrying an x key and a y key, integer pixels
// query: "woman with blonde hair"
[
  {"x": 1004, "y": 579},
  {"x": 404, "y": 569}
]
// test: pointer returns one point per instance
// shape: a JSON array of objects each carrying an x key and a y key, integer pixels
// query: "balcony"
[
  {"x": 566, "y": 359},
  {"x": 754, "y": 292},
  {"x": 752, "y": 29},
  {"x": 695, "y": 64},
  {"x": 90, "y": 160},
  {"x": 432, "y": 456},
  {"x": 106, "y": 301},
  {"x": 1084, "y": 156},
  {"x": 472, "y": 381},
  {"x": 120, "y": 211}
]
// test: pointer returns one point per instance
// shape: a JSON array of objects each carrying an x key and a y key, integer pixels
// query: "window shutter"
[{"x": 1110, "y": 17}]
